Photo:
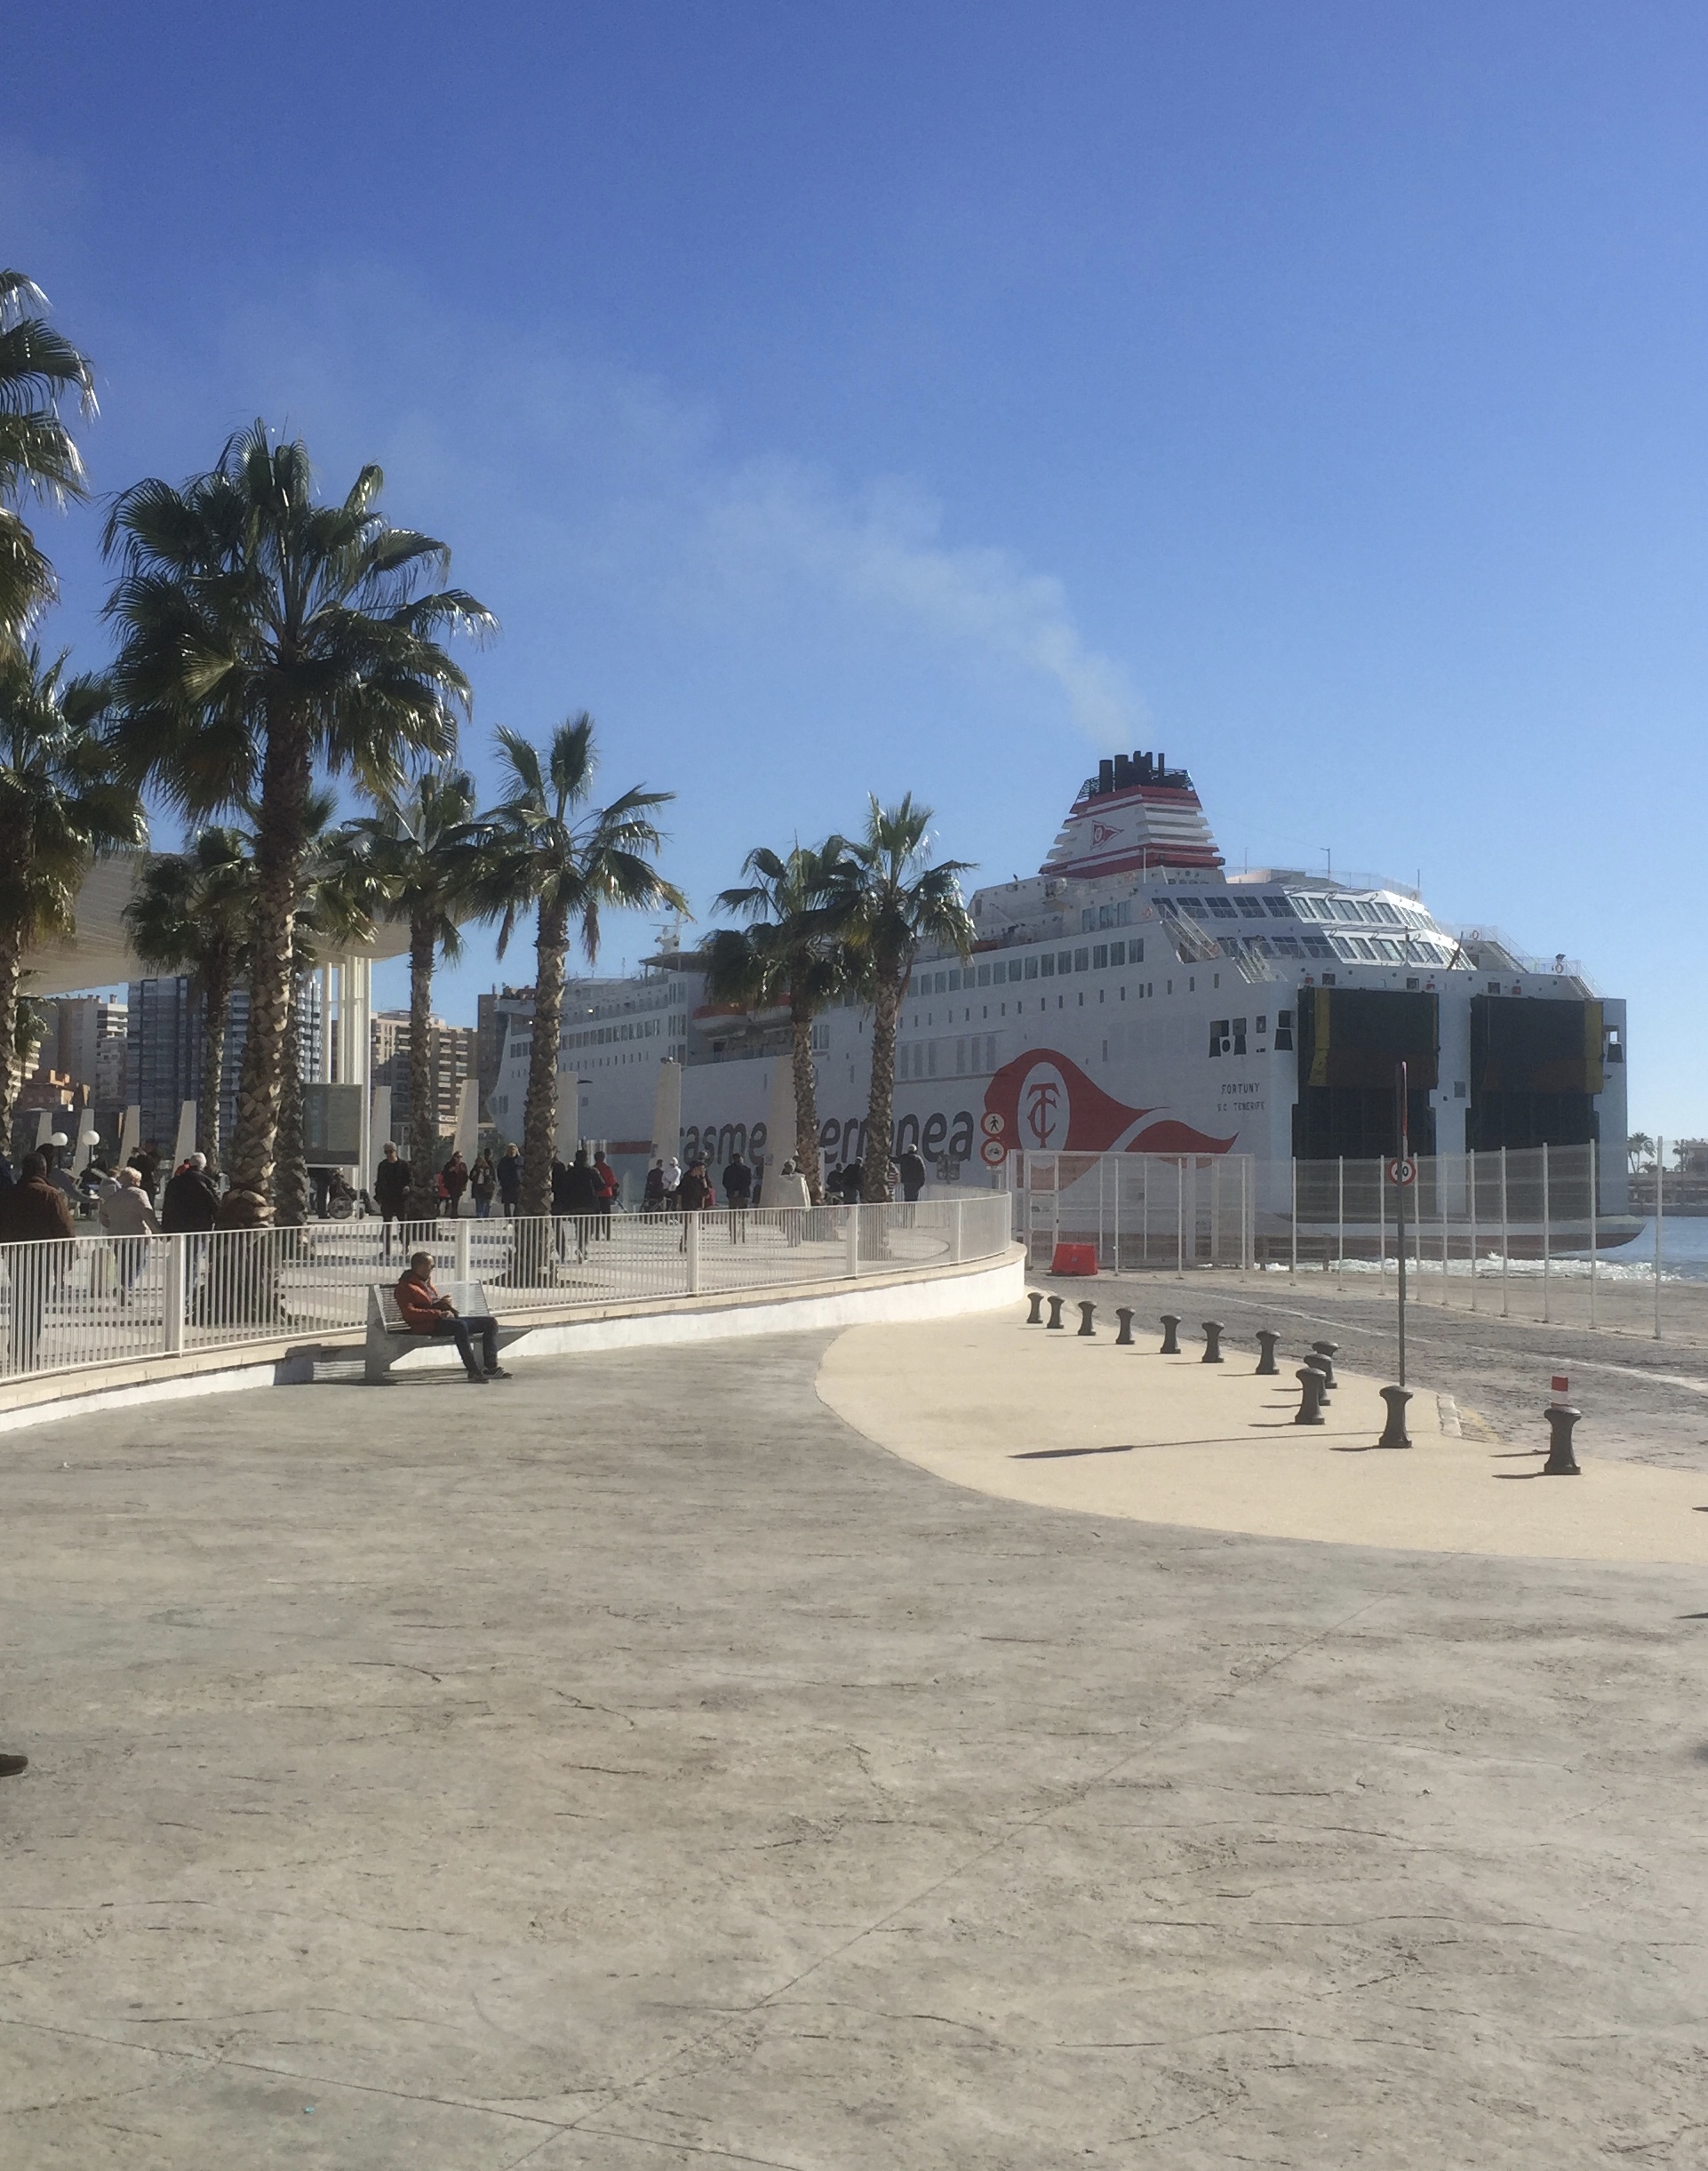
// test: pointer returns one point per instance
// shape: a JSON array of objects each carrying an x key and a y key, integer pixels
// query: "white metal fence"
[
  {"x": 1167, "y": 1210},
  {"x": 94, "y": 1300},
  {"x": 1541, "y": 1234}
]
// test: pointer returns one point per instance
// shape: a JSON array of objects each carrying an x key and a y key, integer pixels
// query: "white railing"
[
  {"x": 1168, "y": 1210},
  {"x": 96, "y": 1300}
]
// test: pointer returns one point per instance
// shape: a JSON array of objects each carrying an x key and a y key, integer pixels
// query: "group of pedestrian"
[{"x": 584, "y": 1193}]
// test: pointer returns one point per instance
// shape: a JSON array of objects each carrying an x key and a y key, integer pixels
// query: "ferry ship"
[{"x": 1134, "y": 996}]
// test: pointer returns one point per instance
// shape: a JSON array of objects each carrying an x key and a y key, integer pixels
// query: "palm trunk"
[
  {"x": 11, "y": 1062},
  {"x": 880, "y": 1122},
  {"x": 278, "y": 856},
  {"x": 290, "y": 1166},
  {"x": 216, "y": 1018},
  {"x": 540, "y": 1123},
  {"x": 423, "y": 1117},
  {"x": 806, "y": 1105}
]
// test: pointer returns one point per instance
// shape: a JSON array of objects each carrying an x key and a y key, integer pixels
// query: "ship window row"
[
  {"x": 968, "y": 1054},
  {"x": 602, "y": 1036},
  {"x": 1096, "y": 916},
  {"x": 1036, "y": 965}
]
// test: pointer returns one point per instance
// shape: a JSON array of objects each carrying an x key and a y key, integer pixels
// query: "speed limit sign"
[
  {"x": 991, "y": 1124},
  {"x": 1402, "y": 1171}
]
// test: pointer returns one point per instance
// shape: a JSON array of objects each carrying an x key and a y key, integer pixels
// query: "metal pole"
[
  {"x": 1505, "y": 1235},
  {"x": 1595, "y": 1215},
  {"x": 1245, "y": 1216},
  {"x": 1547, "y": 1243},
  {"x": 1470, "y": 1179},
  {"x": 1399, "y": 1219},
  {"x": 1660, "y": 1211},
  {"x": 1180, "y": 1217},
  {"x": 1440, "y": 1192},
  {"x": 1340, "y": 1230},
  {"x": 1144, "y": 1214},
  {"x": 1294, "y": 1269},
  {"x": 1382, "y": 1226}
]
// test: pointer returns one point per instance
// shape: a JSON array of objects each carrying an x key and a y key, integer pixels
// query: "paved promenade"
[{"x": 638, "y": 1768}]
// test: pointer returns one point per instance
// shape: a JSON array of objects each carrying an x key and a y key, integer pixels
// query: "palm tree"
[
  {"x": 191, "y": 911},
  {"x": 264, "y": 635},
  {"x": 1639, "y": 1147},
  {"x": 60, "y": 809},
  {"x": 38, "y": 457},
  {"x": 790, "y": 956},
  {"x": 428, "y": 858},
  {"x": 897, "y": 904},
  {"x": 336, "y": 899},
  {"x": 549, "y": 849}
]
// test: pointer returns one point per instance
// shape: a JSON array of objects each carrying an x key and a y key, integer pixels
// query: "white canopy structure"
[{"x": 98, "y": 955}]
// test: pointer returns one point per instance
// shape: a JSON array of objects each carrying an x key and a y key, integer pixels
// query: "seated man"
[{"x": 426, "y": 1311}]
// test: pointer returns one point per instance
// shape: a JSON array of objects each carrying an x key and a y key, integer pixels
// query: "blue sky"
[{"x": 842, "y": 397}]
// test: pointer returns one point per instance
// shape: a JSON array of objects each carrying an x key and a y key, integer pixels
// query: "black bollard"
[
  {"x": 1562, "y": 1462},
  {"x": 1124, "y": 1340},
  {"x": 1170, "y": 1346},
  {"x": 1393, "y": 1433},
  {"x": 1324, "y": 1372},
  {"x": 1036, "y": 1317},
  {"x": 1212, "y": 1342},
  {"x": 1309, "y": 1408},
  {"x": 1266, "y": 1341},
  {"x": 1086, "y": 1312},
  {"x": 1055, "y": 1319},
  {"x": 1326, "y": 1351}
]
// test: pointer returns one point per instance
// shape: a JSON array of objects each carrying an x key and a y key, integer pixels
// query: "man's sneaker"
[
  {"x": 11, "y": 1766},
  {"x": 498, "y": 1372},
  {"x": 475, "y": 1379}
]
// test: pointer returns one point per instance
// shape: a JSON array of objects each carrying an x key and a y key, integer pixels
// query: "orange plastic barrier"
[{"x": 1074, "y": 1259}]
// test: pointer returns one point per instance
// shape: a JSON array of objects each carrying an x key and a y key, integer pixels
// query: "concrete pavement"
[{"x": 634, "y": 1766}]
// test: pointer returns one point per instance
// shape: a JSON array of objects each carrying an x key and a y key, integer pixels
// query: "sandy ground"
[{"x": 1060, "y": 1421}]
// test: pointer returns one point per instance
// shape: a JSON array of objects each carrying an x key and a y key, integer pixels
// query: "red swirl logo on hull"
[{"x": 1049, "y": 1105}]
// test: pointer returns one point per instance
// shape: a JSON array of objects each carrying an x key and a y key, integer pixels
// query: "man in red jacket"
[{"x": 426, "y": 1311}]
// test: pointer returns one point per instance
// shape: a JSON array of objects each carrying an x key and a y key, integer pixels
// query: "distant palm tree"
[
  {"x": 1639, "y": 1147},
  {"x": 192, "y": 912},
  {"x": 59, "y": 811},
  {"x": 429, "y": 858},
  {"x": 790, "y": 956},
  {"x": 897, "y": 903},
  {"x": 550, "y": 849},
  {"x": 336, "y": 899},
  {"x": 264, "y": 635},
  {"x": 38, "y": 457}
]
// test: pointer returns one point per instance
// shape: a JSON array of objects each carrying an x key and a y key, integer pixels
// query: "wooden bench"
[{"x": 388, "y": 1339}]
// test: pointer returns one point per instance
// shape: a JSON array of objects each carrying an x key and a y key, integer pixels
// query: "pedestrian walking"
[
  {"x": 606, "y": 1186},
  {"x": 575, "y": 1198},
  {"x": 455, "y": 1176},
  {"x": 33, "y": 1214},
  {"x": 391, "y": 1186},
  {"x": 653, "y": 1195},
  {"x": 425, "y": 1312},
  {"x": 482, "y": 1183},
  {"x": 191, "y": 1206},
  {"x": 694, "y": 1194},
  {"x": 738, "y": 1194},
  {"x": 911, "y": 1170},
  {"x": 509, "y": 1174},
  {"x": 672, "y": 1182},
  {"x": 129, "y": 1219},
  {"x": 791, "y": 1190}
]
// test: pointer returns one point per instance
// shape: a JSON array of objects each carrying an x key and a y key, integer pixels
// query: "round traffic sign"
[
  {"x": 1402, "y": 1171},
  {"x": 993, "y": 1152},
  {"x": 991, "y": 1124}
]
